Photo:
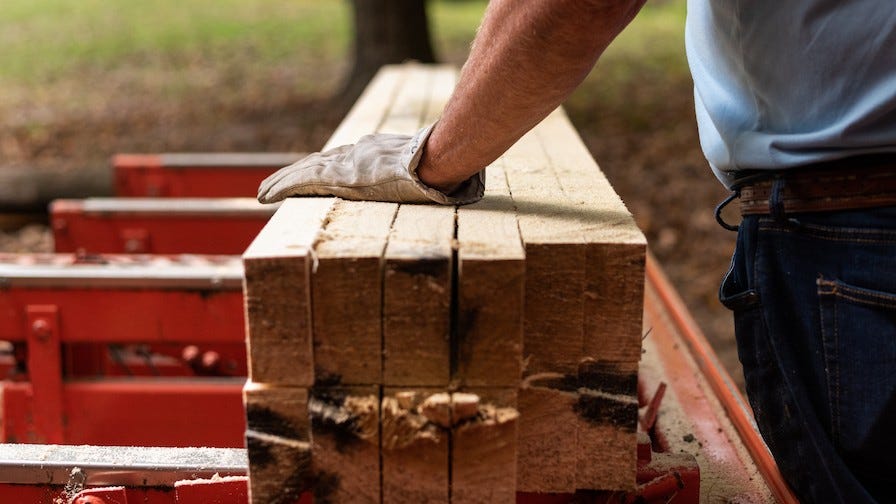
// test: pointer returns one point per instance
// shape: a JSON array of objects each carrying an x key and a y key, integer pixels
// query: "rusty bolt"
[{"x": 41, "y": 328}]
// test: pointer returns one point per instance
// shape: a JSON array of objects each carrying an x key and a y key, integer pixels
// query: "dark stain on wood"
[
  {"x": 325, "y": 378},
  {"x": 424, "y": 266},
  {"x": 607, "y": 377},
  {"x": 602, "y": 410},
  {"x": 265, "y": 420},
  {"x": 262, "y": 456},
  {"x": 299, "y": 480},
  {"x": 326, "y": 484},
  {"x": 462, "y": 344},
  {"x": 259, "y": 451},
  {"x": 329, "y": 418}
]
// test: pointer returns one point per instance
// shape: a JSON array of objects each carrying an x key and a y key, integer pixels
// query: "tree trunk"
[{"x": 386, "y": 31}]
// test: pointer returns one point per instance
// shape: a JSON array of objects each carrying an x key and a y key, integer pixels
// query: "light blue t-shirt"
[{"x": 784, "y": 83}]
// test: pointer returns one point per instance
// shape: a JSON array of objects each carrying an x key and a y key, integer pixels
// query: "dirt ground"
[{"x": 646, "y": 143}]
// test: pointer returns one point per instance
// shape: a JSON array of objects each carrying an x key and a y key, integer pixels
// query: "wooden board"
[
  {"x": 607, "y": 416},
  {"x": 417, "y": 297},
  {"x": 613, "y": 306},
  {"x": 415, "y": 454},
  {"x": 345, "y": 450},
  {"x": 277, "y": 297},
  {"x": 277, "y": 445},
  {"x": 584, "y": 296},
  {"x": 555, "y": 255},
  {"x": 368, "y": 112},
  {"x": 483, "y": 452},
  {"x": 418, "y": 264},
  {"x": 490, "y": 287},
  {"x": 347, "y": 287},
  {"x": 548, "y": 430},
  {"x": 616, "y": 248}
]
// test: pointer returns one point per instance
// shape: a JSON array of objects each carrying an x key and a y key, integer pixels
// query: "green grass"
[
  {"x": 54, "y": 39},
  {"x": 643, "y": 73},
  {"x": 71, "y": 53},
  {"x": 48, "y": 40},
  {"x": 453, "y": 25},
  {"x": 655, "y": 40}
]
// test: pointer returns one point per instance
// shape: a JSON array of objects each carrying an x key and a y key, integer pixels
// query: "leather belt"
[{"x": 841, "y": 185}]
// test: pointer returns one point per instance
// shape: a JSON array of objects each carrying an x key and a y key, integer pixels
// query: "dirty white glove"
[{"x": 381, "y": 167}]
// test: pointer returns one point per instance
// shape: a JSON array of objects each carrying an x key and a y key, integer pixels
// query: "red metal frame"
[
  {"x": 77, "y": 230},
  {"x": 65, "y": 332},
  {"x": 129, "y": 316},
  {"x": 154, "y": 175},
  {"x": 138, "y": 412}
]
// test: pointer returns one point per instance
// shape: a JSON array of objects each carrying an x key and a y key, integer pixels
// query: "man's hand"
[{"x": 380, "y": 167}]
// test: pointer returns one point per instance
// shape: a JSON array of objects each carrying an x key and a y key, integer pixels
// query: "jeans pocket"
[
  {"x": 736, "y": 291},
  {"x": 859, "y": 341}
]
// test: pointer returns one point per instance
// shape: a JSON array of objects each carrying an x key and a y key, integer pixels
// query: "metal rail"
[
  {"x": 186, "y": 207},
  {"x": 123, "y": 272},
  {"x": 133, "y": 466}
]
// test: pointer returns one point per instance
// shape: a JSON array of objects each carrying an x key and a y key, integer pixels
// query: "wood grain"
[
  {"x": 551, "y": 229},
  {"x": 345, "y": 450},
  {"x": 548, "y": 429},
  {"x": 490, "y": 284},
  {"x": 277, "y": 447},
  {"x": 277, "y": 296},
  {"x": 347, "y": 287},
  {"x": 483, "y": 450},
  {"x": 417, "y": 297},
  {"x": 616, "y": 248},
  {"x": 415, "y": 452}
]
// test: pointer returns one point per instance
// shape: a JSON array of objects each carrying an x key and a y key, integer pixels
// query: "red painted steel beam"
[
  {"x": 129, "y": 316},
  {"x": 132, "y": 412},
  {"x": 157, "y": 226},
  {"x": 195, "y": 174},
  {"x": 125, "y": 299}
]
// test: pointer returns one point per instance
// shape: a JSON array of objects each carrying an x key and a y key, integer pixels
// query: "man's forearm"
[{"x": 528, "y": 56}]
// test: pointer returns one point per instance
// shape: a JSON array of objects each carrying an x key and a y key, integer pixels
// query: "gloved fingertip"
[{"x": 264, "y": 195}]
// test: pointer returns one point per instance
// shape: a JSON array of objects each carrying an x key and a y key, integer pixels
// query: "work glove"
[{"x": 380, "y": 167}]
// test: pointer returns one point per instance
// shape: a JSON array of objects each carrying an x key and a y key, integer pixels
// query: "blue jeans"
[{"x": 814, "y": 301}]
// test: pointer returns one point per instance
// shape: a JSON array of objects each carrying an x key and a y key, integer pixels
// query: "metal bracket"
[{"x": 45, "y": 371}]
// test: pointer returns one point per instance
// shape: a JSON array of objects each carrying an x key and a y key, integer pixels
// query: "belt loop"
[
  {"x": 721, "y": 206},
  {"x": 775, "y": 201}
]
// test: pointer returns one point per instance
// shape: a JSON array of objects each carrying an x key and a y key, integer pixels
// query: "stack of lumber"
[{"x": 421, "y": 353}]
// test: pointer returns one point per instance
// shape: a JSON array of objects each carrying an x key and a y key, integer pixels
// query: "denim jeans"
[{"x": 814, "y": 301}]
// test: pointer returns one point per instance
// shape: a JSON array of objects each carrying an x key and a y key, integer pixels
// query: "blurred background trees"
[{"x": 385, "y": 31}]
